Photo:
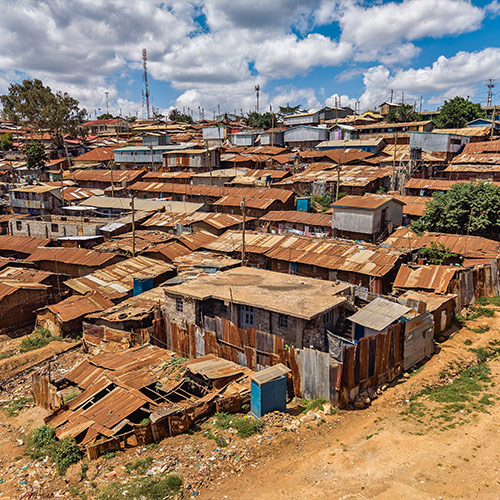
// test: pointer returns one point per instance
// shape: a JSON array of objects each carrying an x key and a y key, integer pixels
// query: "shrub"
[
  {"x": 13, "y": 407},
  {"x": 165, "y": 487},
  {"x": 66, "y": 453},
  {"x": 38, "y": 339},
  {"x": 245, "y": 426},
  {"x": 313, "y": 404}
]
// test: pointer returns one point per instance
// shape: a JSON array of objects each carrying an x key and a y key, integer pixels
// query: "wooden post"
[
  {"x": 493, "y": 122},
  {"x": 393, "y": 180},
  {"x": 133, "y": 226},
  {"x": 338, "y": 182}
]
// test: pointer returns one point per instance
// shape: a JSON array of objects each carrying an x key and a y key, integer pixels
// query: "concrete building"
[
  {"x": 38, "y": 199},
  {"x": 298, "y": 309},
  {"x": 112, "y": 126},
  {"x": 366, "y": 217}
]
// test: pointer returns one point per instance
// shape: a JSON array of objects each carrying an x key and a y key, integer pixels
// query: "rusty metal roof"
[
  {"x": 431, "y": 277},
  {"x": 215, "y": 191},
  {"x": 235, "y": 201},
  {"x": 103, "y": 176},
  {"x": 468, "y": 246},
  {"x": 367, "y": 202},
  {"x": 432, "y": 184},
  {"x": 170, "y": 250},
  {"x": 298, "y": 217},
  {"x": 22, "y": 244},
  {"x": 482, "y": 147},
  {"x": 467, "y": 131},
  {"x": 340, "y": 255},
  {"x": 218, "y": 221},
  {"x": 212, "y": 367},
  {"x": 76, "y": 256},
  {"x": 117, "y": 280},
  {"x": 196, "y": 240},
  {"x": 78, "y": 306},
  {"x": 414, "y": 205},
  {"x": 379, "y": 314}
]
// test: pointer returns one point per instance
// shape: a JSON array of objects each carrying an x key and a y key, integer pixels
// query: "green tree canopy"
[
  {"x": 457, "y": 112},
  {"x": 6, "y": 141},
  {"x": 35, "y": 154},
  {"x": 261, "y": 120},
  {"x": 33, "y": 104},
  {"x": 403, "y": 113},
  {"x": 467, "y": 208},
  {"x": 176, "y": 116},
  {"x": 105, "y": 116},
  {"x": 290, "y": 110}
]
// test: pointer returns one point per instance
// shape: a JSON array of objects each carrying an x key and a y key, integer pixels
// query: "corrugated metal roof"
[
  {"x": 298, "y": 217},
  {"x": 106, "y": 176},
  {"x": 76, "y": 256},
  {"x": 78, "y": 306},
  {"x": 170, "y": 250},
  {"x": 21, "y": 244},
  {"x": 467, "y": 246},
  {"x": 414, "y": 205},
  {"x": 270, "y": 373},
  {"x": 235, "y": 201},
  {"x": 117, "y": 280},
  {"x": 431, "y": 277},
  {"x": 367, "y": 202},
  {"x": 143, "y": 205},
  {"x": 379, "y": 314},
  {"x": 339, "y": 255},
  {"x": 212, "y": 367},
  {"x": 467, "y": 131}
]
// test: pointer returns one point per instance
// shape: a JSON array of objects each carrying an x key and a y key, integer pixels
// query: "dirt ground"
[{"x": 382, "y": 452}]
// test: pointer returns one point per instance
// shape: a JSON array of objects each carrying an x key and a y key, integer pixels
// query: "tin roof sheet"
[
  {"x": 76, "y": 256},
  {"x": 22, "y": 244},
  {"x": 78, "y": 306},
  {"x": 298, "y": 217},
  {"x": 379, "y": 314},
  {"x": 414, "y": 205},
  {"x": 430, "y": 277},
  {"x": 367, "y": 202}
]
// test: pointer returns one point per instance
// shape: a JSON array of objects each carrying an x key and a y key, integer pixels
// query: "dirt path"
[{"x": 376, "y": 454}]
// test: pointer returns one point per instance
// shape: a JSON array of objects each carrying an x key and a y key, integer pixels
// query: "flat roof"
[
  {"x": 379, "y": 314},
  {"x": 139, "y": 204},
  {"x": 282, "y": 293}
]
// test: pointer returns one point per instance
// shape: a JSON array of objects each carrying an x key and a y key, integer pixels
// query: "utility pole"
[
  {"x": 243, "y": 210},
  {"x": 402, "y": 97},
  {"x": 393, "y": 179},
  {"x": 491, "y": 85},
  {"x": 152, "y": 159},
  {"x": 257, "y": 93},
  {"x": 111, "y": 165},
  {"x": 272, "y": 125},
  {"x": 421, "y": 100},
  {"x": 493, "y": 121},
  {"x": 145, "y": 77},
  {"x": 107, "y": 102},
  {"x": 336, "y": 111},
  {"x": 392, "y": 94},
  {"x": 338, "y": 182},
  {"x": 133, "y": 225}
]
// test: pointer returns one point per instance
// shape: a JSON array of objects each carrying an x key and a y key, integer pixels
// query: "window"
[
  {"x": 179, "y": 305},
  {"x": 283, "y": 321},
  {"x": 19, "y": 225},
  {"x": 327, "y": 319},
  {"x": 294, "y": 268},
  {"x": 54, "y": 228},
  {"x": 247, "y": 316}
]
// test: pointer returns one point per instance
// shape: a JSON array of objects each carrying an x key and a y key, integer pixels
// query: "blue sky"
[{"x": 209, "y": 53}]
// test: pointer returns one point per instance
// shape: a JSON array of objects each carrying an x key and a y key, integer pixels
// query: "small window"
[
  {"x": 294, "y": 268},
  {"x": 283, "y": 321},
  {"x": 179, "y": 305},
  {"x": 19, "y": 225},
  {"x": 54, "y": 228},
  {"x": 327, "y": 318}
]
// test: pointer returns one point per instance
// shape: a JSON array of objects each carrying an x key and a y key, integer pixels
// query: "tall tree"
[
  {"x": 33, "y": 104},
  {"x": 457, "y": 112},
  {"x": 403, "y": 113},
  {"x": 290, "y": 110},
  {"x": 467, "y": 208},
  {"x": 35, "y": 154},
  {"x": 261, "y": 120},
  {"x": 176, "y": 116}
]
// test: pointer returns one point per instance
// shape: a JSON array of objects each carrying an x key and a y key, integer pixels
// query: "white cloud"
[
  {"x": 289, "y": 95},
  {"x": 341, "y": 100},
  {"x": 376, "y": 81}
]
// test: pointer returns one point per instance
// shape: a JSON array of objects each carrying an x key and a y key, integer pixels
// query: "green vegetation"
[
  {"x": 165, "y": 487},
  {"x": 291, "y": 110},
  {"x": 324, "y": 202},
  {"x": 176, "y": 116},
  {"x": 7, "y": 354},
  {"x": 467, "y": 208},
  {"x": 42, "y": 442},
  {"x": 474, "y": 312},
  {"x": 402, "y": 114},
  {"x": 480, "y": 329},
  {"x": 6, "y": 141},
  {"x": 437, "y": 253},
  {"x": 457, "y": 112},
  {"x": 492, "y": 301},
  {"x": 38, "y": 339},
  {"x": 35, "y": 154},
  {"x": 261, "y": 120},
  {"x": 313, "y": 404},
  {"x": 244, "y": 425},
  {"x": 13, "y": 407},
  {"x": 140, "y": 466}
]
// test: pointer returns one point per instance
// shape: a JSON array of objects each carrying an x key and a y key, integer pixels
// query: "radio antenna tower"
[
  {"x": 257, "y": 92},
  {"x": 491, "y": 86},
  {"x": 145, "y": 78}
]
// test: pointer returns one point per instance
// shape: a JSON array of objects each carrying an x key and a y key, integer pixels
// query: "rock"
[
  {"x": 372, "y": 393},
  {"x": 384, "y": 387},
  {"x": 359, "y": 404},
  {"x": 74, "y": 474},
  {"x": 406, "y": 375},
  {"x": 92, "y": 472}
]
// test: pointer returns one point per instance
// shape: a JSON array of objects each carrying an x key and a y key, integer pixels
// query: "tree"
[
  {"x": 176, "y": 116},
  {"x": 290, "y": 110},
  {"x": 467, "y": 208},
  {"x": 105, "y": 116},
  {"x": 6, "y": 141},
  {"x": 35, "y": 154},
  {"x": 403, "y": 113},
  {"x": 457, "y": 112},
  {"x": 33, "y": 104},
  {"x": 258, "y": 120},
  {"x": 437, "y": 253}
]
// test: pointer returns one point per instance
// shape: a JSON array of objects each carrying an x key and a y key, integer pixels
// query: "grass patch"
[
  {"x": 468, "y": 342},
  {"x": 312, "y": 405},
  {"x": 480, "y": 329},
  {"x": 475, "y": 312},
  {"x": 14, "y": 407},
  {"x": 244, "y": 426},
  {"x": 166, "y": 487},
  {"x": 36, "y": 340},
  {"x": 6, "y": 355},
  {"x": 492, "y": 301},
  {"x": 70, "y": 394},
  {"x": 42, "y": 442},
  {"x": 140, "y": 466}
]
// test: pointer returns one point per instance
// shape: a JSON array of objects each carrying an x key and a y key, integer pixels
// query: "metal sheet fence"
[{"x": 374, "y": 360}]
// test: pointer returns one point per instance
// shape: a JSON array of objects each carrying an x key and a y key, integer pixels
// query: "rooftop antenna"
[
  {"x": 145, "y": 77},
  {"x": 257, "y": 93}
]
